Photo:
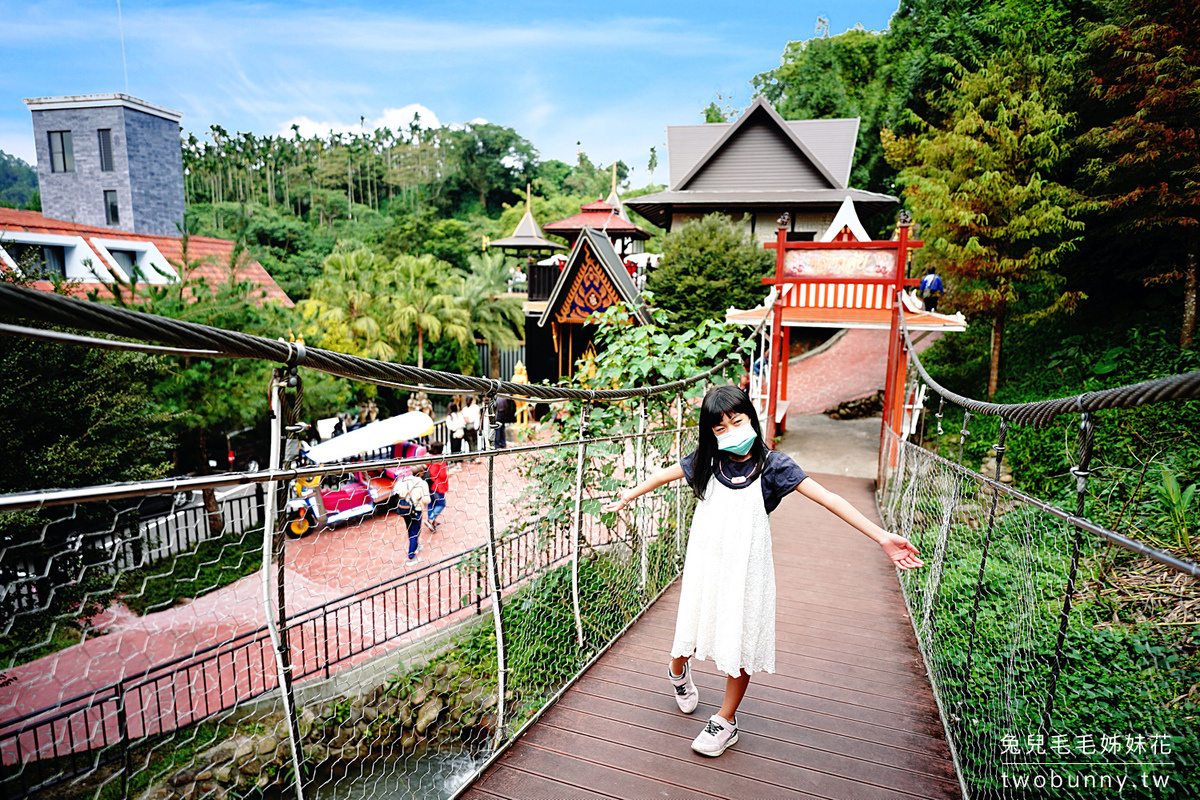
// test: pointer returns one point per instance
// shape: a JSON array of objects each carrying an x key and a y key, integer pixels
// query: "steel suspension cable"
[
  {"x": 1038, "y": 413},
  {"x": 17, "y": 301}
]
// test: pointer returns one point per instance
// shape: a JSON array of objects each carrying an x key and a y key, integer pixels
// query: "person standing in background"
[
  {"x": 473, "y": 415},
  {"x": 931, "y": 289},
  {"x": 505, "y": 413},
  {"x": 439, "y": 484},
  {"x": 412, "y": 495},
  {"x": 456, "y": 424}
]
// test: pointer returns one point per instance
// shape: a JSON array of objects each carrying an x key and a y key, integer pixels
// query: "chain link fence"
[
  {"x": 140, "y": 658},
  {"x": 1049, "y": 683}
]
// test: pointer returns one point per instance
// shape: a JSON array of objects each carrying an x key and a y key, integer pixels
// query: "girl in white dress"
[{"x": 727, "y": 597}]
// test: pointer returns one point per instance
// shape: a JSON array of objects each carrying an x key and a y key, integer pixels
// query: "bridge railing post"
[
  {"x": 640, "y": 508},
  {"x": 488, "y": 422},
  {"x": 576, "y": 520},
  {"x": 273, "y": 552},
  {"x": 679, "y": 484},
  {"x": 987, "y": 540},
  {"x": 963, "y": 433},
  {"x": 1087, "y": 436}
]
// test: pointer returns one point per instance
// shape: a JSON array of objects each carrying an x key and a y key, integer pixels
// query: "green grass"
[{"x": 211, "y": 566}]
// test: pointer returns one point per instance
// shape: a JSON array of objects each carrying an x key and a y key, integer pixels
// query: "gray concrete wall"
[
  {"x": 147, "y": 169},
  {"x": 155, "y": 173},
  {"x": 79, "y": 196}
]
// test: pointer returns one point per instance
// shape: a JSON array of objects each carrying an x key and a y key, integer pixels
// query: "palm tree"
[
  {"x": 352, "y": 296},
  {"x": 423, "y": 302},
  {"x": 495, "y": 320}
]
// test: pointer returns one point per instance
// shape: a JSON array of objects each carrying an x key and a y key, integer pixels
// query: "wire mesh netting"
[
  {"x": 1045, "y": 689},
  {"x": 146, "y": 627}
]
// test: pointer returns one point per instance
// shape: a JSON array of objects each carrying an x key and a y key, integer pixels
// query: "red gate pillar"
[
  {"x": 785, "y": 349},
  {"x": 776, "y": 326},
  {"x": 893, "y": 393}
]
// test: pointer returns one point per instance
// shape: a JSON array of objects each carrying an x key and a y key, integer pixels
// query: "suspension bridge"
[{"x": 523, "y": 655}]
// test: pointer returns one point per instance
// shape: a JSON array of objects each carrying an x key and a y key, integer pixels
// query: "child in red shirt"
[{"x": 439, "y": 480}]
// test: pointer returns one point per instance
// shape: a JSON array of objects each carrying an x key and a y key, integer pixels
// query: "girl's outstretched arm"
[
  {"x": 658, "y": 478},
  {"x": 899, "y": 549}
]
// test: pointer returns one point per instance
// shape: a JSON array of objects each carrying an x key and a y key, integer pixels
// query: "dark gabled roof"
[
  {"x": 760, "y": 162},
  {"x": 832, "y": 141},
  {"x": 598, "y": 245},
  {"x": 760, "y": 147}
]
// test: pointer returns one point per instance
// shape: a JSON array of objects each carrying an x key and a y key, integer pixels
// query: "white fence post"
[
  {"x": 678, "y": 484},
  {"x": 639, "y": 461},
  {"x": 489, "y": 416},
  {"x": 577, "y": 520},
  {"x": 270, "y": 528}
]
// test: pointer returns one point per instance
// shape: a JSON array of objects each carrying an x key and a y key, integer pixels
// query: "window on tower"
[
  {"x": 62, "y": 153},
  {"x": 112, "y": 214},
  {"x": 106, "y": 158}
]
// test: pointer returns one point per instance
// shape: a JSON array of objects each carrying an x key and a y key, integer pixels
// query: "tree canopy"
[
  {"x": 707, "y": 266},
  {"x": 1145, "y": 68},
  {"x": 982, "y": 187}
]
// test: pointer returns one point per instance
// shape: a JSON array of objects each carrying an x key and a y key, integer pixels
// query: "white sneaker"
[
  {"x": 685, "y": 690},
  {"x": 716, "y": 737}
]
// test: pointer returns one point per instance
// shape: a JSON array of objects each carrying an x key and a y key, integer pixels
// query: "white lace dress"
[{"x": 727, "y": 601}]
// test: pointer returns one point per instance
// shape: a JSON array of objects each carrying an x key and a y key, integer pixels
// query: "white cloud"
[{"x": 396, "y": 119}]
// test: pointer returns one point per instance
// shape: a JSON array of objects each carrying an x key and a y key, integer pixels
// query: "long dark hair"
[{"x": 719, "y": 401}]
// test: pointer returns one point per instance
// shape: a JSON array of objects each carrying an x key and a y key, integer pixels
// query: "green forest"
[{"x": 18, "y": 183}]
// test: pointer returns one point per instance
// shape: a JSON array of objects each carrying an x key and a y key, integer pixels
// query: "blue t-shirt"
[
  {"x": 931, "y": 283},
  {"x": 780, "y": 476}
]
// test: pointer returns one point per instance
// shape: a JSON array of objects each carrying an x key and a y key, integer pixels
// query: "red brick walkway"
[{"x": 853, "y": 367}]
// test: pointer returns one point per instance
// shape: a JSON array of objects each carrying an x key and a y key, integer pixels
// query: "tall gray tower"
[{"x": 109, "y": 160}]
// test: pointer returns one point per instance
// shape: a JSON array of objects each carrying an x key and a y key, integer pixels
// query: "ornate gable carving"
[{"x": 591, "y": 291}]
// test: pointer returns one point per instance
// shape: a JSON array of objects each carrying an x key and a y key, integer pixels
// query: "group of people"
[
  {"x": 464, "y": 420},
  {"x": 420, "y": 492}
]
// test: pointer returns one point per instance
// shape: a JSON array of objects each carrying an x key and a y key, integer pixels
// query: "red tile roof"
[
  {"x": 599, "y": 216},
  {"x": 212, "y": 253}
]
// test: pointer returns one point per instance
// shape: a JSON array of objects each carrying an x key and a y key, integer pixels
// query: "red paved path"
[
  {"x": 319, "y": 569},
  {"x": 855, "y": 366}
]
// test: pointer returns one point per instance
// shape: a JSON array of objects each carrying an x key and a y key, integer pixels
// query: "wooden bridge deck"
[{"x": 849, "y": 712}]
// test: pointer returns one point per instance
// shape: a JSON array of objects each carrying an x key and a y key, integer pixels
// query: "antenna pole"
[{"x": 121, "y": 30}]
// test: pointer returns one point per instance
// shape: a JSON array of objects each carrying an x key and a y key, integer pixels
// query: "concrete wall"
[
  {"x": 155, "y": 173},
  {"x": 79, "y": 196},
  {"x": 147, "y": 169}
]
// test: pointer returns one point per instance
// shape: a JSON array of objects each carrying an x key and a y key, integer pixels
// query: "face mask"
[{"x": 739, "y": 440}]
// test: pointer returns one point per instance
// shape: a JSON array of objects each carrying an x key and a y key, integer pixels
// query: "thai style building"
[
  {"x": 593, "y": 280},
  {"x": 609, "y": 219},
  {"x": 759, "y": 167},
  {"x": 564, "y": 290}
]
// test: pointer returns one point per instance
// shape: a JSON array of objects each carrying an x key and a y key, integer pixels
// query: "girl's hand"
[
  {"x": 902, "y": 552},
  {"x": 625, "y": 496}
]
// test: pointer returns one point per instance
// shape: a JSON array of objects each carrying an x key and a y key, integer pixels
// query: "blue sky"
[{"x": 610, "y": 75}]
